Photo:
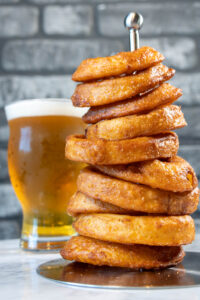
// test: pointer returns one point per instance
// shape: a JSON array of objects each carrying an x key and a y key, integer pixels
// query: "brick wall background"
[{"x": 42, "y": 42}]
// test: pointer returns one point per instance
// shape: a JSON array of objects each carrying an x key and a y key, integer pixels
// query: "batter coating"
[
  {"x": 164, "y": 94},
  {"x": 160, "y": 120},
  {"x": 121, "y": 88},
  {"x": 175, "y": 175},
  {"x": 82, "y": 204},
  {"x": 136, "y": 197},
  {"x": 146, "y": 230},
  {"x": 95, "y": 252},
  {"x": 120, "y": 63},
  {"x": 104, "y": 152}
]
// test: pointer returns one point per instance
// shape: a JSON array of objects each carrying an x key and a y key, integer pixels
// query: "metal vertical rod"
[
  {"x": 134, "y": 39},
  {"x": 133, "y": 22}
]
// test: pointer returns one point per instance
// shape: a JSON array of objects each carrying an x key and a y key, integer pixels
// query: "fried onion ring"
[
  {"x": 175, "y": 175},
  {"x": 160, "y": 120},
  {"x": 135, "y": 197},
  {"x": 117, "y": 89},
  {"x": 164, "y": 94},
  {"x": 121, "y": 63},
  {"x": 146, "y": 230},
  {"x": 103, "y": 152},
  {"x": 95, "y": 252},
  {"x": 82, "y": 204}
]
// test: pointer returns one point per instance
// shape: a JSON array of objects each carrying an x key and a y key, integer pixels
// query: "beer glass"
[{"x": 42, "y": 178}]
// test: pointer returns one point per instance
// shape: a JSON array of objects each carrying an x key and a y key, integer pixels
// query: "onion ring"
[
  {"x": 95, "y": 252},
  {"x": 160, "y": 120},
  {"x": 164, "y": 94},
  {"x": 136, "y": 197},
  {"x": 121, "y": 88},
  {"x": 175, "y": 175},
  {"x": 103, "y": 152},
  {"x": 146, "y": 230},
  {"x": 121, "y": 63}
]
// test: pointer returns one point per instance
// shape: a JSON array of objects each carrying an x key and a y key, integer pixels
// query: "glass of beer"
[{"x": 42, "y": 178}]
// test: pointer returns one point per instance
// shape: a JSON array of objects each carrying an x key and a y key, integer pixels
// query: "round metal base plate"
[{"x": 186, "y": 274}]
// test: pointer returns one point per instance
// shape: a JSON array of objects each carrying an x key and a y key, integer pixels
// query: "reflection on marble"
[{"x": 18, "y": 280}]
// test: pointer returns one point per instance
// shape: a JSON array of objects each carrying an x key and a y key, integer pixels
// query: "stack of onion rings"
[{"x": 133, "y": 203}]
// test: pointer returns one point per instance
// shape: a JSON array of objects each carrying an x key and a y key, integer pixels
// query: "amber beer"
[{"x": 43, "y": 179}]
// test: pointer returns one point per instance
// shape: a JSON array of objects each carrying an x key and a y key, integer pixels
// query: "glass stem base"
[
  {"x": 43, "y": 244},
  {"x": 45, "y": 234}
]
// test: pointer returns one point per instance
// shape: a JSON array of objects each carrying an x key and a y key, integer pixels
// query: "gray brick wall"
[{"x": 42, "y": 42}]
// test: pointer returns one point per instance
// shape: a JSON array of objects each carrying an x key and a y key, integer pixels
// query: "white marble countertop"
[{"x": 18, "y": 280}]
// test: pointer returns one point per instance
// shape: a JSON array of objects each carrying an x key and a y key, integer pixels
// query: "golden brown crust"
[
  {"x": 120, "y": 63},
  {"x": 135, "y": 197},
  {"x": 160, "y": 120},
  {"x": 117, "y": 89},
  {"x": 103, "y": 152},
  {"x": 91, "y": 251},
  {"x": 175, "y": 175},
  {"x": 82, "y": 204},
  {"x": 164, "y": 94},
  {"x": 146, "y": 230}
]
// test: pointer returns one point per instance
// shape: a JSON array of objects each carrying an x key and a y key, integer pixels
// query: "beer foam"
[{"x": 43, "y": 107}]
